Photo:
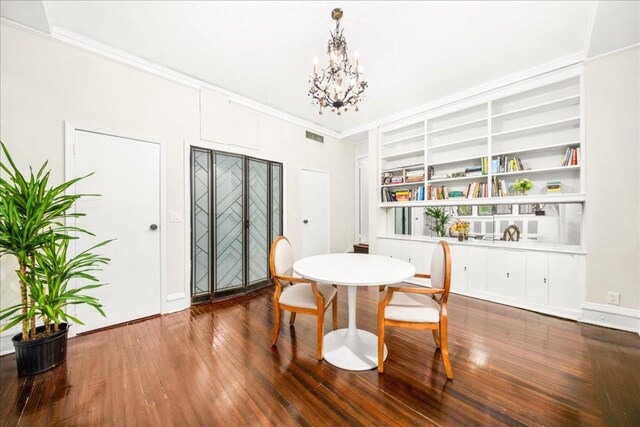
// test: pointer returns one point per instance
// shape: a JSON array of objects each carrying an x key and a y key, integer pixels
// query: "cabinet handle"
[
  {"x": 545, "y": 280},
  {"x": 507, "y": 274},
  {"x": 409, "y": 259},
  {"x": 465, "y": 268}
]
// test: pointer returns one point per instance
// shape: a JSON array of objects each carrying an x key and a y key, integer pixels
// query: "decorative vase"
[
  {"x": 466, "y": 236},
  {"x": 460, "y": 237}
]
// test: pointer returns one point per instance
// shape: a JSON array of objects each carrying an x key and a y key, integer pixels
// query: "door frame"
[
  {"x": 324, "y": 171},
  {"x": 231, "y": 149},
  {"x": 168, "y": 303},
  {"x": 357, "y": 193}
]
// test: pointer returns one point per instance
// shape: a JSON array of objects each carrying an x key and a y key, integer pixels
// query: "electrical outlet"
[{"x": 613, "y": 297}]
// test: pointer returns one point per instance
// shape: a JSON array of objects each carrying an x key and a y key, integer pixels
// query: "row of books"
[
  {"x": 477, "y": 190},
  {"x": 554, "y": 187},
  {"x": 404, "y": 176},
  {"x": 474, "y": 190},
  {"x": 571, "y": 157},
  {"x": 500, "y": 188},
  {"x": 402, "y": 195},
  {"x": 414, "y": 175},
  {"x": 506, "y": 164}
]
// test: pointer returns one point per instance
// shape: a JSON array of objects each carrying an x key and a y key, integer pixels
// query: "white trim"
[
  {"x": 611, "y": 316},
  {"x": 613, "y": 52},
  {"x": 357, "y": 193},
  {"x": 166, "y": 306}
]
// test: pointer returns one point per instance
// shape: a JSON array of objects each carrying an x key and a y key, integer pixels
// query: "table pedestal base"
[{"x": 354, "y": 352}]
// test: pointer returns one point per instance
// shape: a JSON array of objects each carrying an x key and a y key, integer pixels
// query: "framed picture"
[
  {"x": 465, "y": 211},
  {"x": 504, "y": 209},
  {"x": 485, "y": 210}
]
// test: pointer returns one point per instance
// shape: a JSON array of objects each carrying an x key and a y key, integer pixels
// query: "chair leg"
[
  {"x": 380, "y": 345},
  {"x": 292, "y": 318},
  {"x": 445, "y": 350},
  {"x": 276, "y": 324},
  {"x": 334, "y": 309},
  {"x": 436, "y": 336},
  {"x": 320, "y": 336}
]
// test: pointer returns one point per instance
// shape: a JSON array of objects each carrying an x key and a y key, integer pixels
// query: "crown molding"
[
  {"x": 72, "y": 39},
  {"x": 518, "y": 77},
  {"x": 613, "y": 52}
]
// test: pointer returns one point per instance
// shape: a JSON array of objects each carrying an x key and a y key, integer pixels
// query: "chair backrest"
[
  {"x": 511, "y": 234},
  {"x": 441, "y": 269},
  {"x": 281, "y": 258}
]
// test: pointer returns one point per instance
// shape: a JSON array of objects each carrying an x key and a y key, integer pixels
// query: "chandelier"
[{"x": 340, "y": 85}]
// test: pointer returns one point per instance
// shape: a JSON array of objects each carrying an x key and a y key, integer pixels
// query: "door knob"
[
  {"x": 153, "y": 227},
  {"x": 306, "y": 221}
]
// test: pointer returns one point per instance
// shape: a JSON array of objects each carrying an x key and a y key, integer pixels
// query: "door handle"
[
  {"x": 305, "y": 221},
  {"x": 153, "y": 227}
]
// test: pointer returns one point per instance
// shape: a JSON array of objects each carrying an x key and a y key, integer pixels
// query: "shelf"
[
  {"x": 545, "y": 106},
  {"x": 511, "y": 200},
  {"x": 542, "y": 148},
  {"x": 410, "y": 153},
  {"x": 464, "y": 159},
  {"x": 408, "y": 168},
  {"x": 538, "y": 171},
  {"x": 471, "y": 123},
  {"x": 404, "y": 139},
  {"x": 402, "y": 184},
  {"x": 572, "y": 122},
  {"x": 448, "y": 144},
  {"x": 460, "y": 178}
]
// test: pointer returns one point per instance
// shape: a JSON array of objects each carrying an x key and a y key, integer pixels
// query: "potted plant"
[
  {"x": 522, "y": 186},
  {"x": 440, "y": 220},
  {"x": 462, "y": 228},
  {"x": 32, "y": 229}
]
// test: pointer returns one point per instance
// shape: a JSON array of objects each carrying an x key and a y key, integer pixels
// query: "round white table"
[{"x": 352, "y": 348}]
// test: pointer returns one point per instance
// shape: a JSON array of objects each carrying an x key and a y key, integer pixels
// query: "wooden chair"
[
  {"x": 420, "y": 307},
  {"x": 298, "y": 295},
  {"x": 511, "y": 234}
]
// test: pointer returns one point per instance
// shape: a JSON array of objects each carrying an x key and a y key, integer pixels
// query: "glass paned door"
[
  {"x": 201, "y": 206},
  {"x": 229, "y": 223},
  {"x": 236, "y": 212},
  {"x": 276, "y": 200},
  {"x": 258, "y": 226}
]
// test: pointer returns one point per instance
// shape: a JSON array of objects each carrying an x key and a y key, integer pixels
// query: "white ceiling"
[{"x": 413, "y": 52}]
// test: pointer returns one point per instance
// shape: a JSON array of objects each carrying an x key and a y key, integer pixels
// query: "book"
[{"x": 571, "y": 157}]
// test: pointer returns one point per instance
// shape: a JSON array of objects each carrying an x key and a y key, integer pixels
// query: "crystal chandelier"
[{"x": 340, "y": 85}]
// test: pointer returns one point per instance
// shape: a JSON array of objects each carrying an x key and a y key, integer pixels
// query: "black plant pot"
[{"x": 40, "y": 355}]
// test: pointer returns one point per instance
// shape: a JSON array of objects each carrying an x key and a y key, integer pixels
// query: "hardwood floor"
[{"x": 213, "y": 365}]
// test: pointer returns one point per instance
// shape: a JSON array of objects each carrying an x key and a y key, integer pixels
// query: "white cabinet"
[
  {"x": 496, "y": 271},
  {"x": 537, "y": 277},
  {"x": 477, "y": 269},
  {"x": 388, "y": 247},
  {"x": 458, "y": 267},
  {"x": 564, "y": 281},
  {"x": 516, "y": 272}
]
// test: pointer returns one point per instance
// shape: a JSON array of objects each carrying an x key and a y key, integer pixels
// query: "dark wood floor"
[{"x": 213, "y": 365}]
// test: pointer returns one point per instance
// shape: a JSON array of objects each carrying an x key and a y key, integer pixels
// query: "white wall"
[
  {"x": 45, "y": 82},
  {"x": 612, "y": 212}
]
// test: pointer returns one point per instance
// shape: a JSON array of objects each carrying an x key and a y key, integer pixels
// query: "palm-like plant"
[
  {"x": 440, "y": 219},
  {"x": 32, "y": 216}
]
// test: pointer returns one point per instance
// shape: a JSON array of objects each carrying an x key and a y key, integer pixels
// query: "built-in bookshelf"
[{"x": 475, "y": 150}]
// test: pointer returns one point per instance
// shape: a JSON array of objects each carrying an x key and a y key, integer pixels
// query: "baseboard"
[
  {"x": 176, "y": 302},
  {"x": 611, "y": 316}
]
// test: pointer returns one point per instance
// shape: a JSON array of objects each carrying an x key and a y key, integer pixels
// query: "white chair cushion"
[
  {"x": 417, "y": 282},
  {"x": 301, "y": 295},
  {"x": 438, "y": 267},
  {"x": 283, "y": 258},
  {"x": 416, "y": 308}
]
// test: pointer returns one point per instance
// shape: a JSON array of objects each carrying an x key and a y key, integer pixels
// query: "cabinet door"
[
  {"x": 496, "y": 271},
  {"x": 516, "y": 274},
  {"x": 477, "y": 268},
  {"x": 537, "y": 272},
  {"x": 385, "y": 247},
  {"x": 458, "y": 267},
  {"x": 413, "y": 252},
  {"x": 563, "y": 281}
]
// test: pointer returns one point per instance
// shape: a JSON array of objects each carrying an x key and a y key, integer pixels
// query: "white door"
[
  {"x": 563, "y": 281},
  {"x": 537, "y": 272},
  {"x": 126, "y": 174},
  {"x": 458, "y": 267},
  {"x": 363, "y": 199},
  {"x": 314, "y": 196},
  {"x": 477, "y": 269},
  {"x": 516, "y": 274}
]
